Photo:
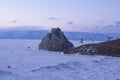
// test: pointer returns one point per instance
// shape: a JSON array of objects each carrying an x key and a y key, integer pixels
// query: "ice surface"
[{"x": 21, "y": 60}]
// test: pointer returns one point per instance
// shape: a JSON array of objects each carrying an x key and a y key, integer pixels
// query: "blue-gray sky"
[{"x": 70, "y": 15}]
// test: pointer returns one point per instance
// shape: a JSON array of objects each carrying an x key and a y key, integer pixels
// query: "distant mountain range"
[{"x": 39, "y": 34}]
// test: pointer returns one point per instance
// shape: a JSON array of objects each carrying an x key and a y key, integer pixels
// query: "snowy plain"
[{"x": 21, "y": 60}]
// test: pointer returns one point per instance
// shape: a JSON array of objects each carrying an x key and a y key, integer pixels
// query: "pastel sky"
[{"x": 70, "y": 15}]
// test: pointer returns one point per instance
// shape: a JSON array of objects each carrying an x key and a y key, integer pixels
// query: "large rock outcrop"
[
  {"x": 55, "y": 41},
  {"x": 108, "y": 48}
]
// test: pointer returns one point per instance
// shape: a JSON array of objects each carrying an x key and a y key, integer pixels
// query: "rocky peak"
[
  {"x": 56, "y": 32},
  {"x": 55, "y": 41}
]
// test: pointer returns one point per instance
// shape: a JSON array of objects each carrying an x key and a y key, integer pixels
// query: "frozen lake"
[{"x": 18, "y": 62}]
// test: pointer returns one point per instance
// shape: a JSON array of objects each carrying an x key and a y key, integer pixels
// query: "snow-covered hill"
[
  {"x": 21, "y": 60},
  {"x": 33, "y": 34}
]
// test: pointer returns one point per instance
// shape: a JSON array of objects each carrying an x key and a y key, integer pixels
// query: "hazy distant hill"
[
  {"x": 35, "y": 34},
  {"x": 22, "y": 34}
]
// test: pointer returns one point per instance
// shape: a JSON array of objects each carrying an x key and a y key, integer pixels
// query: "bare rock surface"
[{"x": 55, "y": 41}]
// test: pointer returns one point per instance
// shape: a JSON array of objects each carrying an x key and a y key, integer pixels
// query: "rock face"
[
  {"x": 55, "y": 41},
  {"x": 109, "y": 48}
]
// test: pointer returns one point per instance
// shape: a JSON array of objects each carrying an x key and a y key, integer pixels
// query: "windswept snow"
[{"x": 21, "y": 60}]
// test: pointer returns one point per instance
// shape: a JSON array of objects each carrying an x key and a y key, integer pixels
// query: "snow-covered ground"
[{"x": 21, "y": 60}]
